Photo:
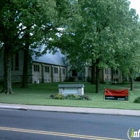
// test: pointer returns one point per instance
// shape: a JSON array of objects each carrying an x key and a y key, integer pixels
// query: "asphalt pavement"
[{"x": 71, "y": 109}]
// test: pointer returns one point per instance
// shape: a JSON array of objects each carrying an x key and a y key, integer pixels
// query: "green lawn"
[{"x": 39, "y": 94}]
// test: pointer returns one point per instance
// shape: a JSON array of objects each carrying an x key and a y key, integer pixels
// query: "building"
[
  {"x": 47, "y": 68},
  {"x": 54, "y": 68}
]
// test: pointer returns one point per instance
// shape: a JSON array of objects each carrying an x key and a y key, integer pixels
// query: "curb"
[{"x": 79, "y": 110}]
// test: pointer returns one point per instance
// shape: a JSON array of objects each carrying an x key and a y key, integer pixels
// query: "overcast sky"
[{"x": 136, "y": 5}]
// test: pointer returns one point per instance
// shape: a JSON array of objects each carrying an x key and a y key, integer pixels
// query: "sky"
[{"x": 136, "y": 5}]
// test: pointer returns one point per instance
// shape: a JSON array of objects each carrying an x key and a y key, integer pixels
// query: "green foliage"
[
  {"x": 97, "y": 33},
  {"x": 70, "y": 97},
  {"x": 57, "y": 96},
  {"x": 29, "y": 22},
  {"x": 137, "y": 100},
  {"x": 83, "y": 97},
  {"x": 108, "y": 33}
]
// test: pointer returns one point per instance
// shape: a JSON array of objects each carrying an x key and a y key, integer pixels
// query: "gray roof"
[
  {"x": 71, "y": 85},
  {"x": 50, "y": 58}
]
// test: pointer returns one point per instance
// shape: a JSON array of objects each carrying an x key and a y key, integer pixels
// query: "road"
[{"x": 38, "y": 125}]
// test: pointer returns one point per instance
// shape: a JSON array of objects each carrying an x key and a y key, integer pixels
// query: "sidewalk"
[{"x": 71, "y": 109}]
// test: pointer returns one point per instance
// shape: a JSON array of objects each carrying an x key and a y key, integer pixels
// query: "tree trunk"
[
  {"x": 9, "y": 81},
  {"x": 131, "y": 80},
  {"x": 97, "y": 80},
  {"x": 7, "y": 74},
  {"x": 131, "y": 84},
  {"x": 112, "y": 79},
  {"x": 25, "y": 63},
  {"x": 93, "y": 73}
]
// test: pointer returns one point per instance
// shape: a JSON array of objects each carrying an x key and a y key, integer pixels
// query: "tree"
[
  {"x": 17, "y": 19},
  {"x": 98, "y": 35},
  {"x": 130, "y": 58}
]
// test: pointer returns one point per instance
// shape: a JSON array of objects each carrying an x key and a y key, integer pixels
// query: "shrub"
[
  {"x": 137, "y": 100},
  {"x": 82, "y": 97},
  {"x": 52, "y": 96},
  {"x": 79, "y": 97},
  {"x": 57, "y": 96},
  {"x": 60, "y": 96},
  {"x": 86, "y": 97},
  {"x": 70, "y": 97}
]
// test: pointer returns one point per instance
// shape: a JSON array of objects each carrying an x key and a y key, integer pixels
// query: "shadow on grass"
[{"x": 39, "y": 94}]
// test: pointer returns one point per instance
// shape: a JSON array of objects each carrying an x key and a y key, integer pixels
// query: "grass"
[{"x": 39, "y": 94}]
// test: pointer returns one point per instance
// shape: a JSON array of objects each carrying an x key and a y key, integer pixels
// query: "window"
[
  {"x": 106, "y": 71},
  {"x": 36, "y": 68},
  {"x": 115, "y": 72},
  {"x": 55, "y": 70},
  {"x": 47, "y": 69}
]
